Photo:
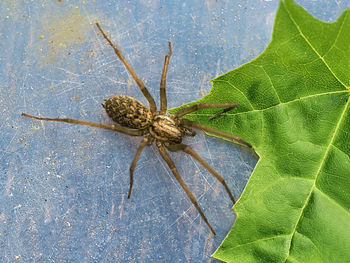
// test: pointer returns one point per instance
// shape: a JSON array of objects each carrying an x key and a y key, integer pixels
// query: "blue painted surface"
[{"x": 63, "y": 187}]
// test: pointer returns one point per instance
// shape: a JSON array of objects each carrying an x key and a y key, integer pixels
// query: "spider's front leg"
[
  {"x": 163, "y": 99},
  {"x": 189, "y": 109},
  {"x": 173, "y": 169},
  {"x": 197, "y": 125},
  {"x": 138, "y": 81}
]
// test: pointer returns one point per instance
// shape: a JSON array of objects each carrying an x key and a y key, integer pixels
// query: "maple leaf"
[{"x": 294, "y": 110}]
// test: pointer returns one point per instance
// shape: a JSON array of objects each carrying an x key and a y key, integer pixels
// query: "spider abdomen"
[{"x": 128, "y": 112}]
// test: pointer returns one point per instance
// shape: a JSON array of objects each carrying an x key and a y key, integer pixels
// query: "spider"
[{"x": 167, "y": 131}]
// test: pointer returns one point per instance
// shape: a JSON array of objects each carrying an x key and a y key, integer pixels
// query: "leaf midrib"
[
  {"x": 317, "y": 174},
  {"x": 331, "y": 140}
]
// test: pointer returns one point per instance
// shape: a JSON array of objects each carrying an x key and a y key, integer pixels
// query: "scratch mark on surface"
[
  {"x": 8, "y": 145},
  {"x": 112, "y": 207},
  {"x": 69, "y": 72},
  {"x": 121, "y": 207},
  {"x": 8, "y": 185}
]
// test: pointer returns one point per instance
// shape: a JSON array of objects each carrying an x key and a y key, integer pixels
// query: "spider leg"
[
  {"x": 196, "y": 107},
  {"x": 213, "y": 131},
  {"x": 139, "y": 82},
  {"x": 147, "y": 141},
  {"x": 172, "y": 167},
  {"x": 185, "y": 148},
  {"x": 220, "y": 113},
  {"x": 163, "y": 100},
  {"x": 112, "y": 127}
]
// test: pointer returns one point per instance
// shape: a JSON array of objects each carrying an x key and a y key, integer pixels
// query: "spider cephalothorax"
[
  {"x": 167, "y": 131},
  {"x": 129, "y": 112}
]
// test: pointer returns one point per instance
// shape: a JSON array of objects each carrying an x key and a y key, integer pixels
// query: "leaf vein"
[
  {"x": 313, "y": 48},
  {"x": 336, "y": 39},
  {"x": 275, "y": 106},
  {"x": 233, "y": 86},
  {"x": 332, "y": 200},
  {"x": 317, "y": 174},
  {"x": 311, "y": 242},
  {"x": 273, "y": 86},
  {"x": 338, "y": 149},
  {"x": 258, "y": 240}
]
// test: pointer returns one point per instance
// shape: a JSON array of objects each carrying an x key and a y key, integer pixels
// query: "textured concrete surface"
[{"x": 63, "y": 188}]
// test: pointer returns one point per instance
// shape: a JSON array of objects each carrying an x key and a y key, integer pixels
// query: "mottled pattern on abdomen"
[{"x": 128, "y": 112}]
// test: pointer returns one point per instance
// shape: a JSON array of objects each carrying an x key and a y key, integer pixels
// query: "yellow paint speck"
[{"x": 63, "y": 32}]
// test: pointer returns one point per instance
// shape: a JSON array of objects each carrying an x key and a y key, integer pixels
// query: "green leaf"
[{"x": 294, "y": 110}]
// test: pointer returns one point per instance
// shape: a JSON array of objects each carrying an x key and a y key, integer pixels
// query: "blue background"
[{"x": 63, "y": 188}]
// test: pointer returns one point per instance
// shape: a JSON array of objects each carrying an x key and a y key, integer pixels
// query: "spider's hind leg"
[
  {"x": 112, "y": 127},
  {"x": 147, "y": 141},
  {"x": 185, "y": 148},
  {"x": 175, "y": 172}
]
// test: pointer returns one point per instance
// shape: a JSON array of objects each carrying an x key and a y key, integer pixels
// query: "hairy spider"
[{"x": 166, "y": 130}]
